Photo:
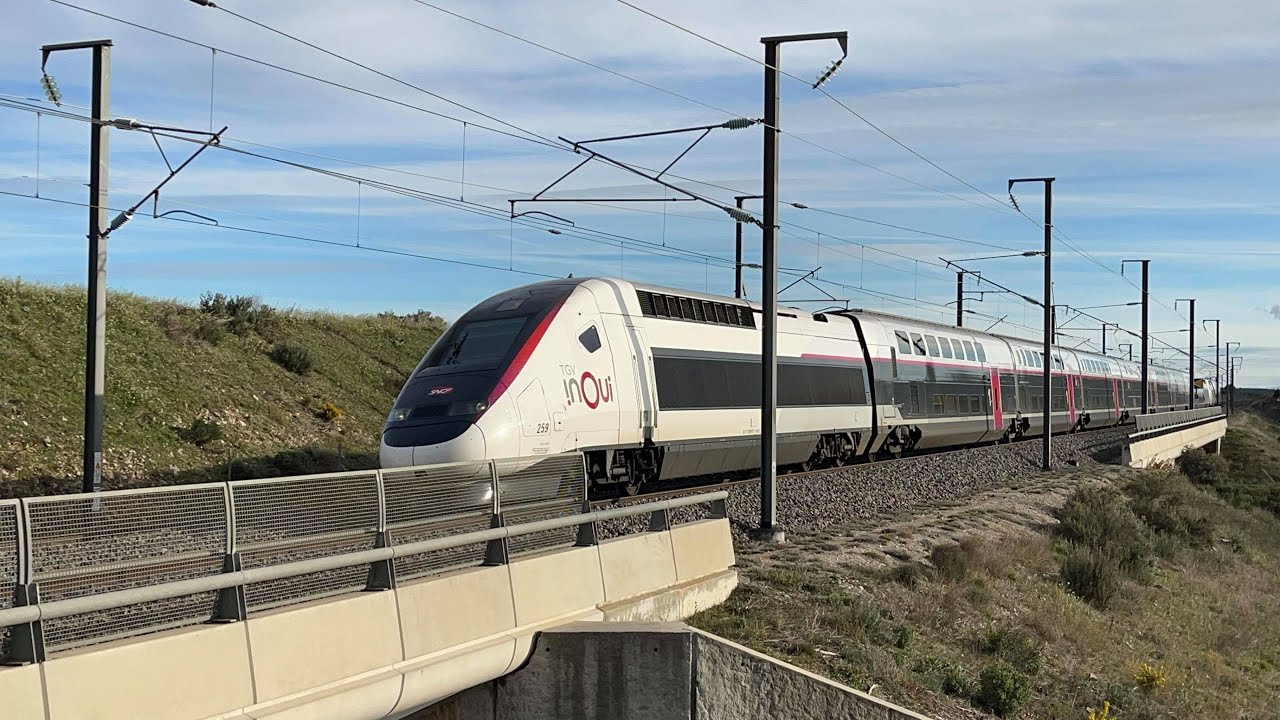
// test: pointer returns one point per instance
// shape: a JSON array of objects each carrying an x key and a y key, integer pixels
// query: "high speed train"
[{"x": 653, "y": 384}]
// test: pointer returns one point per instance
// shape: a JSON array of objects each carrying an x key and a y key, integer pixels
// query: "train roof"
[{"x": 889, "y": 317}]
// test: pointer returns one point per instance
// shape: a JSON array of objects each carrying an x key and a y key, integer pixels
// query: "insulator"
[
  {"x": 51, "y": 90},
  {"x": 740, "y": 215},
  {"x": 738, "y": 123},
  {"x": 120, "y": 220}
]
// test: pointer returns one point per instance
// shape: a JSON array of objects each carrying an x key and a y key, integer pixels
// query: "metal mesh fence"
[
  {"x": 88, "y": 545},
  {"x": 287, "y": 520},
  {"x": 538, "y": 489},
  {"x": 8, "y": 563},
  {"x": 430, "y": 502}
]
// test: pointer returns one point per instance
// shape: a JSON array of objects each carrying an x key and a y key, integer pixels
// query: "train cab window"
[
  {"x": 933, "y": 345},
  {"x": 904, "y": 345},
  {"x": 945, "y": 345},
  {"x": 982, "y": 354},
  {"x": 917, "y": 343},
  {"x": 590, "y": 339},
  {"x": 477, "y": 345},
  {"x": 958, "y": 348},
  {"x": 968, "y": 351}
]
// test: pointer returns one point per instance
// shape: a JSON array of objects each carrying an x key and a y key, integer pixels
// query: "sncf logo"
[
  {"x": 589, "y": 390},
  {"x": 439, "y": 391}
]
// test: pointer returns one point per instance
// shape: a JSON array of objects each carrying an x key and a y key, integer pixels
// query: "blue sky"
[{"x": 1157, "y": 118}]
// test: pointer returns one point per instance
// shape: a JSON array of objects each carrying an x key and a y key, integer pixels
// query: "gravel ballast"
[{"x": 811, "y": 502}]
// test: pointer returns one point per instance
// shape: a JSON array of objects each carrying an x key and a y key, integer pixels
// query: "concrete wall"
[
  {"x": 641, "y": 671},
  {"x": 373, "y": 655},
  {"x": 1143, "y": 451}
]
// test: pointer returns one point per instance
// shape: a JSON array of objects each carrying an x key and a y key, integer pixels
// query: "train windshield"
[{"x": 475, "y": 345}]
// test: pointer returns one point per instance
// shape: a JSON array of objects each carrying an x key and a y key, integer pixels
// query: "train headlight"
[
  {"x": 398, "y": 414},
  {"x": 471, "y": 407}
]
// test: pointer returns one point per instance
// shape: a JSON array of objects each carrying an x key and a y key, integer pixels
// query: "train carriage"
[{"x": 653, "y": 383}]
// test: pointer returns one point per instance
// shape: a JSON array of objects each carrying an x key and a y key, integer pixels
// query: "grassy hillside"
[
  {"x": 192, "y": 390},
  {"x": 1150, "y": 592}
]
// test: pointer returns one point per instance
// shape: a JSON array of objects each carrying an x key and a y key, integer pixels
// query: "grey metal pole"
[
  {"x": 1104, "y": 338},
  {"x": 769, "y": 292},
  {"x": 1046, "y": 448},
  {"x": 959, "y": 298},
  {"x": 1146, "y": 338},
  {"x": 1191, "y": 353},
  {"x": 737, "y": 254},
  {"x": 96, "y": 296},
  {"x": 96, "y": 319}
]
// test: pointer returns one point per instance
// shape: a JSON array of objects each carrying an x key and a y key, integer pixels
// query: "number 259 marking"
[{"x": 544, "y": 428}]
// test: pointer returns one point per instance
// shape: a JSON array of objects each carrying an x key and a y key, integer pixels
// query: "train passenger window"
[
  {"x": 982, "y": 354},
  {"x": 937, "y": 404},
  {"x": 975, "y": 404},
  {"x": 933, "y": 345},
  {"x": 958, "y": 348},
  {"x": 968, "y": 351},
  {"x": 949, "y": 404},
  {"x": 590, "y": 339},
  {"x": 945, "y": 344},
  {"x": 904, "y": 345},
  {"x": 917, "y": 343}
]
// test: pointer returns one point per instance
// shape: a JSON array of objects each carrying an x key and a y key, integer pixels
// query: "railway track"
[{"x": 712, "y": 483}]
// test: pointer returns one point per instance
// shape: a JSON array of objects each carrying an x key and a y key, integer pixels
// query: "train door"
[
  {"x": 646, "y": 417},
  {"x": 995, "y": 415}
]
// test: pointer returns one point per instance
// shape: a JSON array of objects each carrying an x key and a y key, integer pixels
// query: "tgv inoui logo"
[{"x": 589, "y": 390}]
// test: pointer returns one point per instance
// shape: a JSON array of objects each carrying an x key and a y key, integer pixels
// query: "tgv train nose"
[{"x": 469, "y": 445}]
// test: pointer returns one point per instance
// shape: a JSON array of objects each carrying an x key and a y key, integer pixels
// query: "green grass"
[
  {"x": 991, "y": 622},
  {"x": 170, "y": 365}
]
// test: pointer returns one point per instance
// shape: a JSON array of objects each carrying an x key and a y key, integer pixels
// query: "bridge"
[
  {"x": 350, "y": 596},
  {"x": 364, "y": 595}
]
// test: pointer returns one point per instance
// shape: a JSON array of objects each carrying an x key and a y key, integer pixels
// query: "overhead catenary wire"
[{"x": 526, "y": 138}]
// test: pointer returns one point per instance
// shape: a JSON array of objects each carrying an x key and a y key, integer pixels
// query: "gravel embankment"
[{"x": 811, "y": 502}]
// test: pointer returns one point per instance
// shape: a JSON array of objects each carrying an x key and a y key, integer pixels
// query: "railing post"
[
  {"x": 587, "y": 535},
  {"x": 382, "y": 573},
  {"x": 230, "y": 605},
  {"x": 719, "y": 509},
  {"x": 26, "y": 642},
  {"x": 660, "y": 520},
  {"x": 496, "y": 552}
]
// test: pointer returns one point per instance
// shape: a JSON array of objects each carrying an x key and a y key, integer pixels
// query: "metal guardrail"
[
  {"x": 92, "y": 568},
  {"x": 1156, "y": 421}
]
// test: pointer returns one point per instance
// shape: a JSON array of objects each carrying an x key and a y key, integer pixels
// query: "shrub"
[
  {"x": 1091, "y": 573},
  {"x": 1205, "y": 469},
  {"x": 330, "y": 412},
  {"x": 957, "y": 683},
  {"x": 1019, "y": 647},
  {"x": 905, "y": 636},
  {"x": 1099, "y": 519},
  {"x": 1170, "y": 505},
  {"x": 908, "y": 574},
  {"x": 951, "y": 561},
  {"x": 1149, "y": 677},
  {"x": 294, "y": 357},
  {"x": 1003, "y": 689},
  {"x": 210, "y": 330},
  {"x": 201, "y": 432},
  {"x": 242, "y": 314}
]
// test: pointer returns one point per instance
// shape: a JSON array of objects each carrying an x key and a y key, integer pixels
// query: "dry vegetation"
[
  {"x": 1152, "y": 592},
  {"x": 195, "y": 392}
]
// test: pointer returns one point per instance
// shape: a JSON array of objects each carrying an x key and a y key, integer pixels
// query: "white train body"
[{"x": 655, "y": 383}]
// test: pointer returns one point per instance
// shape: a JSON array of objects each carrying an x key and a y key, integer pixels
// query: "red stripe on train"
[{"x": 522, "y": 357}]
